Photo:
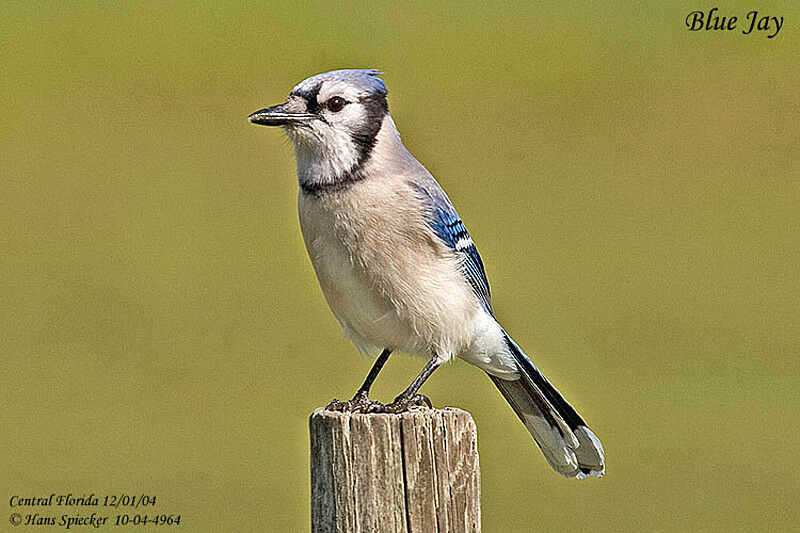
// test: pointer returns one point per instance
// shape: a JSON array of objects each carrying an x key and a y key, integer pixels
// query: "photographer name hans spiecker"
[{"x": 754, "y": 23}]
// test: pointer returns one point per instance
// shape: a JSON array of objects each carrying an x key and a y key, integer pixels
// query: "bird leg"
[
  {"x": 361, "y": 402},
  {"x": 410, "y": 397}
]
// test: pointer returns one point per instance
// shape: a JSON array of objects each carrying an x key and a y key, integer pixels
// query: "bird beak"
[{"x": 280, "y": 115}]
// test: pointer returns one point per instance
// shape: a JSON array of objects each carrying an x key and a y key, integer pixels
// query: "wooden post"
[{"x": 416, "y": 472}]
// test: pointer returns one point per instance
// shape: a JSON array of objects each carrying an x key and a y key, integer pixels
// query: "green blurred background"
[{"x": 633, "y": 189}]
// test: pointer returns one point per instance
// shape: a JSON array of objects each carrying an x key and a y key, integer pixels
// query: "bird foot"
[
  {"x": 359, "y": 404},
  {"x": 403, "y": 403},
  {"x": 362, "y": 404}
]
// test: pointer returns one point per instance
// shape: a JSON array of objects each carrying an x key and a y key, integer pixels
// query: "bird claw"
[
  {"x": 339, "y": 406},
  {"x": 404, "y": 403},
  {"x": 359, "y": 404}
]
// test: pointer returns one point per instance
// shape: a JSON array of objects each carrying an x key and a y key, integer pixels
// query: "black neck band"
[{"x": 342, "y": 183}]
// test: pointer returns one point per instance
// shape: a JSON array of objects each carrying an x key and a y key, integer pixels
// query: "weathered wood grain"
[{"x": 416, "y": 472}]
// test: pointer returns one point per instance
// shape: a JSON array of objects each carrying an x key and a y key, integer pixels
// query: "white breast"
[{"x": 388, "y": 280}]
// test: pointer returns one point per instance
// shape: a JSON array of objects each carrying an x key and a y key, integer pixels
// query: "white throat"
[{"x": 325, "y": 162}]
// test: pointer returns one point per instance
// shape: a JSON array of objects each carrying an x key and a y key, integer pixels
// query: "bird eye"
[{"x": 336, "y": 103}]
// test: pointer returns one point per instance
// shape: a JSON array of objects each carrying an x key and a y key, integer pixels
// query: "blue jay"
[{"x": 396, "y": 264}]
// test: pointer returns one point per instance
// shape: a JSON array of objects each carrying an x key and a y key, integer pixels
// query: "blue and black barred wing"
[{"x": 447, "y": 225}]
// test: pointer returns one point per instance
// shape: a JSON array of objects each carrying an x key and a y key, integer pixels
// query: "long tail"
[{"x": 567, "y": 443}]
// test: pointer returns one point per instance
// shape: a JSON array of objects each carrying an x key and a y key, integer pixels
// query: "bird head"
[{"x": 333, "y": 120}]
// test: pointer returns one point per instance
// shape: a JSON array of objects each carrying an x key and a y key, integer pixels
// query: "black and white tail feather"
[{"x": 570, "y": 447}]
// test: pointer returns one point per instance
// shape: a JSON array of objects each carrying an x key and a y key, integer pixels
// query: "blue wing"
[{"x": 445, "y": 222}]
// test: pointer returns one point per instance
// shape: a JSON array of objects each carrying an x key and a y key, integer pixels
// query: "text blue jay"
[{"x": 396, "y": 264}]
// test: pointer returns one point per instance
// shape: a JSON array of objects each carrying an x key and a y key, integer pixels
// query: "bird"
[{"x": 397, "y": 266}]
